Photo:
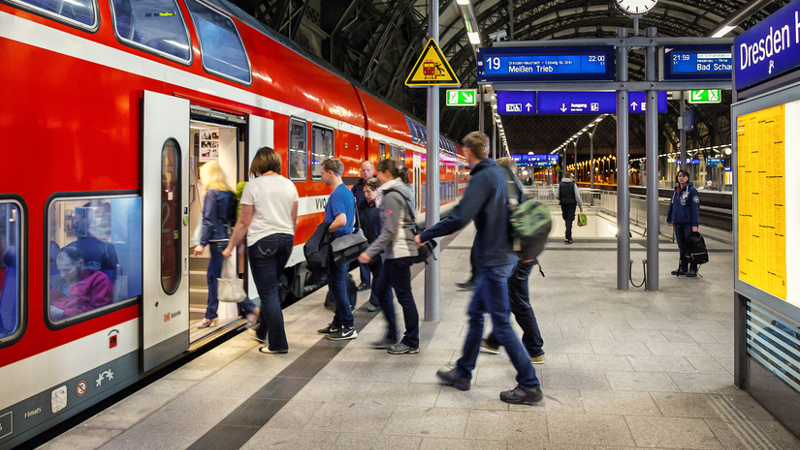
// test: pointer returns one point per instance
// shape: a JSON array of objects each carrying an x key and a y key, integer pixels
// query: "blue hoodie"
[
  {"x": 684, "y": 209},
  {"x": 485, "y": 201}
]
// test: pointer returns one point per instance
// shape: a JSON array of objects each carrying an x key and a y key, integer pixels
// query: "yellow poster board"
[
  {"x": 432, "y": 69},
  {"x": 761, "y": 197}
]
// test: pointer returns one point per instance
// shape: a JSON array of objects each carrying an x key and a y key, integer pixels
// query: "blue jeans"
[
  {"x": 268, "y": 258},
  {"x": 396, "y": 273},
  {"x": 520, "y": 302},
  {"x": 365, "y": 273},
  {"x": 214, "y": 271},
  {"x": 376, "y": 266},
  {"x": 490, "y": 295},
  {"x": 682, "y": 232},
  {"x": 337, "y": 285}
]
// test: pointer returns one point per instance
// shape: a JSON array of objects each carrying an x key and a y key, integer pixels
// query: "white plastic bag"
[{"x": 230, "y": 290}]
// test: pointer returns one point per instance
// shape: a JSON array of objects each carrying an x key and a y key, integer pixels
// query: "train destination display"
[
  {"x": 545, "y": 63},
  {"x": 704, "y": 62},
  {"x": 762, "y": 164}
]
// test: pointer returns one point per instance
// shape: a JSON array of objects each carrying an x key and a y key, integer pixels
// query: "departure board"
[
  {"x": 545, "y": 63},
  {"x": 761, "y": 199},
  {"x": 698, "y": 62},
  {"x": 551, "y": 64}
]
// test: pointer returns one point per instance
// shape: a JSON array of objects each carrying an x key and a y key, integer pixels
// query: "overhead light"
[
  {"x": 474, "y": 38},
  {"x": 728, "y": 151},
  {"x": 462, "y": 2}
]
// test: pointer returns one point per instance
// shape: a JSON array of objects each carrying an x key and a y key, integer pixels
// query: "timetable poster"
[{"x": 761, "y": 197}]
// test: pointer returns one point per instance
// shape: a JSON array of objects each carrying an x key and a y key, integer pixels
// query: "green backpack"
[{"x": 530, "y": 221}]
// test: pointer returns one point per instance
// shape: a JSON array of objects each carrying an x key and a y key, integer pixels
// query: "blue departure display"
[
  {"x": 699, "y": 62},
  {"x": 545, "y": 63}
]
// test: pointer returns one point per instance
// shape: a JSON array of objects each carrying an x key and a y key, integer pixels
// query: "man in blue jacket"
[
  {"x": 486, "y": 202},
  {"x": 684, "y": 216}
]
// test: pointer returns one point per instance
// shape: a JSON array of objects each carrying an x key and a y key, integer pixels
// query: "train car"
[{"x": 110, "y": 108}]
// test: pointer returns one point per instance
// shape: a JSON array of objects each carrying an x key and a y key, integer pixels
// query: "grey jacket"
[{"x": 397, "y": 222}]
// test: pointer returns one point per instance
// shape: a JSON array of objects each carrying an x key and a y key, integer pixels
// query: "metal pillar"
[
  {"x": 591, "y": 156},
  {"x": 494, "y": 137},
  {"x": 683, "y": 133},
  {"x": 480, "y": 109},
  {"x": 432, "y": 297},
  {"x": 623, "y": 193},
  {"x": 510, "y": 20},
  {"x": 651, "y": 140}
]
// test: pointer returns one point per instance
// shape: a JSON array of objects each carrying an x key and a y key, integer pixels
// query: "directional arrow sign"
[
  {"x": 575, "y": 102},
  {"x": 461, "y": 97},
  {"x": 705, "y": 96},
  {"x": 516, "y": 102}
]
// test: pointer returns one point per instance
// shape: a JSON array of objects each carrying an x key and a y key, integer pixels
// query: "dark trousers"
[
  {"x": 214, "y": 271},
  {"x": 365, "y": 270},
  {"x": 682, "y": 232},
  {"x": 268, "y": 258},
  {"x": 376, "y": 266},
  {"x": 520, "y": 303},
  {"x": 473, "y": 266},
  {"x": 337, "y": 285},
  {"x": 396, "y": 273},
  {"x": 568, "y": 213},
  {"x": 491, "y": 296}
]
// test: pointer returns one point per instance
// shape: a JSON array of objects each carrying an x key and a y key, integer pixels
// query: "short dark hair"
[
  {"x": 72, "y": 252},
  {"x": 266, "y": 160},
  {"x": 478, "y": 143},
  {"x": 372, "y": 183},
  {"x": 685, "y": 173},
  {"x": 388, "y": 165},
  {"x": 333, "y": 165},
  {"x": 405, "y": 174}
]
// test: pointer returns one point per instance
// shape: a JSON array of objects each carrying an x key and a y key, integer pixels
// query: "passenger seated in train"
[
  {"x": 78, "y": 289},
  {"x": 97, "y": 254}
]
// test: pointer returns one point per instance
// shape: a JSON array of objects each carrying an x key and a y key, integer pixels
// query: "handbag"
[
  {"x": 582, "y": 222},
  {"x": 347, "y": 248},
  {"x": 230, "y": 290}
]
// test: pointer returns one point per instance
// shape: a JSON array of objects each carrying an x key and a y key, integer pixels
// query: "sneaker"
[
  {"x": 330, "y": 329},
  {"x": 538, "y": 359},
  {"x": 265, "y": 349},
  {"x": 363, "y": 287},
  {"x": 691, "y": 274},
  {"x": 343, "y": 334},
  {"x": 522, "y": 396},
  {"x": 569, "y": 241},
  {"x": 566, "y": 241},
  {"x": 486, "y": 348},
  {"x": 383, "y": 343},
  {"x": 254, "y": 336},
  {"x": 678, "y": 272},
  {"x": 451, "y": 378},
  {"x": 373, "y": 308},
  {"x": 467, "y": 285},
  {"x": 402, "y": 349}
]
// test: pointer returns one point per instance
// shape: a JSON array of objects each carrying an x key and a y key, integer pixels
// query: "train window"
[
  {"x": 11, "y": 269},
  {"x": 298, "y": 153},
  {"x": 153, "y": 25},
  {"x": 382, "y": 151},
  {"x": 321, "y": 149},
  {"x": 81, "y": 13},
  {"x": 94, "y": 255},
  {"x": 394, "y": 152},
  {"x": 413, "y": 130},
  {"x": 401, "y": 155},
  {"x": 220, "y": 43}
]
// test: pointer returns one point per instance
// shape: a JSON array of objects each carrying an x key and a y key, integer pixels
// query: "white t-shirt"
[{"x": 272, "y": 198}]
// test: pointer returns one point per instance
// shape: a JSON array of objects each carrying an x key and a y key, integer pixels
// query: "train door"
[
  {"x": 417, "y": 168},
  {"x": 165, "y": 224}
]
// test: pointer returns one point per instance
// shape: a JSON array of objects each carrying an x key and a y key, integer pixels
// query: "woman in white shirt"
[{"x": 269, "y": 217}]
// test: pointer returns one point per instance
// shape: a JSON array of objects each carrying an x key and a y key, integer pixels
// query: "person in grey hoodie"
[
  {"x": 396, "y": 201},
  {"x": 568, "y": 197}
]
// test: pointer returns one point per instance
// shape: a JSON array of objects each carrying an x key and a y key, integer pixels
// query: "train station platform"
[{"x": 623, "y": 370}]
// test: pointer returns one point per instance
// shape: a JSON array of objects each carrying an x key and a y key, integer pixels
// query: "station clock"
[{"x": 636, "y": 7}]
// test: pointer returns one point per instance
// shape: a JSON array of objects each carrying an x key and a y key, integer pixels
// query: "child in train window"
[{"x": 78, "y": 289}]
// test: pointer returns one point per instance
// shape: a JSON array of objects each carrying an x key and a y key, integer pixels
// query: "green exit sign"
[
  {"x": 705, "y": 96},
  {"x": 461, "y": 97}
]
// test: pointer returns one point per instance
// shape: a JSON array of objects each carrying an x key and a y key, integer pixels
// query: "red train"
[{"x": 109, "y": 109}]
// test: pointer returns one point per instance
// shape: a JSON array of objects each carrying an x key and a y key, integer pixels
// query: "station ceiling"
[{"x": 376, "y": 42}]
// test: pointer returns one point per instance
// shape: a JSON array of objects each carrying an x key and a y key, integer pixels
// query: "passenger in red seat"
[{"x": 78, "y": 290}]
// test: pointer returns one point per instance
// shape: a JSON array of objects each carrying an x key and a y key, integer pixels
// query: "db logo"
[
  {"x": 166, "y": 317},
  {"x": 81, "y": 388}
]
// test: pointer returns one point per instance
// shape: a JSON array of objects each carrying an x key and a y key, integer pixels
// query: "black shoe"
[
  {"x": 486, "y": 348},
  {"x": 467, "y": 285},
  {"x": 691, "y": 274},
  {"x": 373, "y": 308},
  {"x": 451, "y": 378},
  {"x": 522, "y": 396},
  {"x": 328, "y": 304},
  {"x": 678, "y": 272},
  {"x": 402, "y": 349},
  {"x": 383, "y": 343},
  {"x": 569, "y": 241},
  {"x": 343, "y": 334},
  {"x": 330, "y": 329},
  {"x": 363, "y": 287}
]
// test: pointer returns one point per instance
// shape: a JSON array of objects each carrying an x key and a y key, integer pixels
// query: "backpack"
[
  {"x": 696, "y": 251},
  {"x": 530, "y": 221}
]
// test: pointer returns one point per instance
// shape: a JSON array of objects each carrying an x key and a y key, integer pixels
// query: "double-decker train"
[{"x": 109, "y": 109}]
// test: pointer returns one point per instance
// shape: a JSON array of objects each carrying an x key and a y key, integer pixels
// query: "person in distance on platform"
[
  {"x": 340, "y": 212},
  {"x": 684, "y": 216},
  {"x": 370, "y": 215},
  {"x": 219, "y": 210},
  {"x": 269, "y": 217},
  {"x": 367, "y": 172},
  {"x": 396, "y": 201},
  {"x": 486, "y": 201},
  {"x": 568, "y": 197},
  {"x": 520, "y": 301}
]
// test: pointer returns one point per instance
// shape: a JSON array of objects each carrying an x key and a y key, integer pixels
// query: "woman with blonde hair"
[
  {"x": 269, "y": 217},
  {"x": 219, "y": 213}
]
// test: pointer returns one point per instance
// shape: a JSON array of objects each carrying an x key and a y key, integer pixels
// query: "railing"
[{"x": 547, "y": 195}]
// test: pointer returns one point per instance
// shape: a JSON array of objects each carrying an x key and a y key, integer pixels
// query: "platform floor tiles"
[{"x": 624, "y": 369}]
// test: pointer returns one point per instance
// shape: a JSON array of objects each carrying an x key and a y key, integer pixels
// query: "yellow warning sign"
[{"x": 432, "y": 69}]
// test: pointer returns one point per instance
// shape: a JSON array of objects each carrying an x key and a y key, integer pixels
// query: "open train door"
[
  {"x": 260, "y": 133},
  {"x": 417, "y": 172},
  {"x": 165, "y": 253}
]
